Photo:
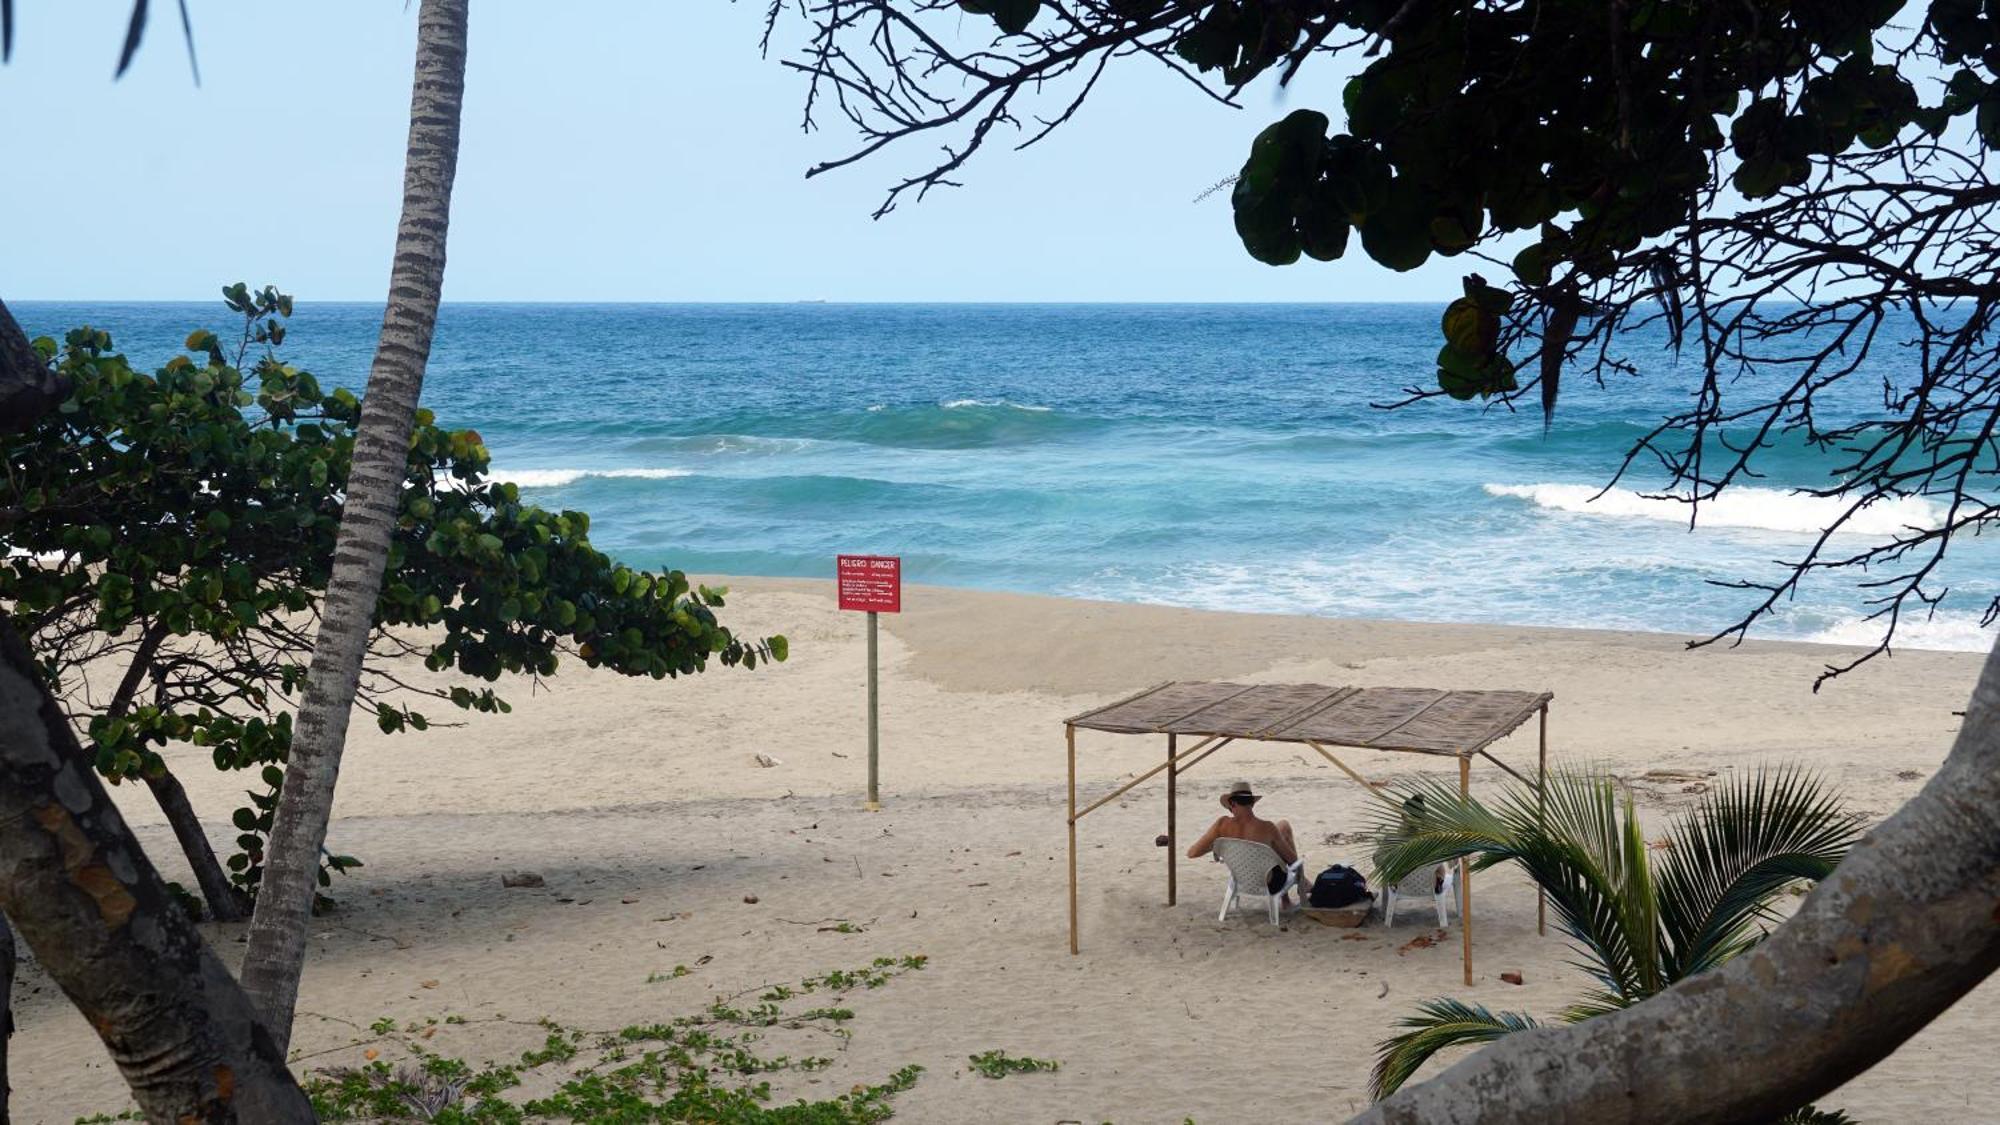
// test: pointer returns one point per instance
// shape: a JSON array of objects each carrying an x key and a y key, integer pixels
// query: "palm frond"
[
  {"x": 1582, "y": 845},
  {"x": 1747, "y": 840},
  {"x": 1569, "y": 839},
  {"x": 1434, "y": 824},
  {"x": 1588, "y": 905},
  {"x": 1438, "y": 1024},
  {"x": 135, "y": 29},
  {"x": 1638, "y": 905},
  {"x": 1597, "y": 1002}
]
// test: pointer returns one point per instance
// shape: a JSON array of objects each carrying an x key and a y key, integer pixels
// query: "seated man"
[{"x": 1243, "y": 823}]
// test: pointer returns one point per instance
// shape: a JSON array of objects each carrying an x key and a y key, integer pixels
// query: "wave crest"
[
  {"x": 993, "y": 403},
  {"x": 1945, "y": 632},
  {"x": 558, "y": 478},
  {"x": 1763, "y": 509}
]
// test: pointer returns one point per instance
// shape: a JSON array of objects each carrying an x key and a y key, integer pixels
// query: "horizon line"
[{"x": 18, "y": 301}]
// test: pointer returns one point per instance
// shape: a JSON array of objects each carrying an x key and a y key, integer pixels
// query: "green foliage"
[
  {"x": 1596, "y": 136},
  {"x": 999, "y": 1064},
  {"x": 707, "y": 1067},
  {"x": 1641, "y": 925},
  {"x": 1471, "y": 363},
  {"x": 1439, "y": 1024},
  {"x": 178, "y": 527}
]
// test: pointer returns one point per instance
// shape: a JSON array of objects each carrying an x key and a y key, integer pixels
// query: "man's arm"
[
  {"x": 1201, "y": 847},
  {"x": 1286, "y": 849}
]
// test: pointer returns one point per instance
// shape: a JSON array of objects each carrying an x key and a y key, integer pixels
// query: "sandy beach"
[{"x": 643, "y": 806}]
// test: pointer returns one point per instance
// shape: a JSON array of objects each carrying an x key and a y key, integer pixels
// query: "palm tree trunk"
[
  {"x": 1906, "y": 925},
  {"x": 101, "y": 921},
  {"x": 276, "y": 954}
]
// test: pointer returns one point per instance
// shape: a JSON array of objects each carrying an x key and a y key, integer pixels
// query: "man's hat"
[{"x": 1239, "y": 790}]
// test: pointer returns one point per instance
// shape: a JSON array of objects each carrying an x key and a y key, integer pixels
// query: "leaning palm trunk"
[
  {"x": 1640, "y": 926},
  {"x": 276, "y": 954}
]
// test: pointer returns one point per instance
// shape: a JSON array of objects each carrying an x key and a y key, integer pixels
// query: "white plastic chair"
[
  {"x": 1439, "y": 882},
  {"x": 1249, "y": 864}
]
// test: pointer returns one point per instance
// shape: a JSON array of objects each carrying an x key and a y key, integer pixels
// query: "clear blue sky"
[{"x": 613, "y": 151}]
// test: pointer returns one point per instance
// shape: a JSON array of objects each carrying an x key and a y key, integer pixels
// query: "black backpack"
[{"x": 1338, "y": 886}]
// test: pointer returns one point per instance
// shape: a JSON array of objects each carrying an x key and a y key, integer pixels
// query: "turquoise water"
[{"x": 1220, "y": 456}]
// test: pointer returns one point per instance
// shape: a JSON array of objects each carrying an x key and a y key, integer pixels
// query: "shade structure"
[{"x": 1455, "y": 724}]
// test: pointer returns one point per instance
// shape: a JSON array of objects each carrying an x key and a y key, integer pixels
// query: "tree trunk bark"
[
  {"x": 276, "y": 954},
  {"x": 1905, "y": 926},
  {"x": 103, "y": 924},
  {"x": 29, "y": 388},
  {"x": 226, "y": 902}
]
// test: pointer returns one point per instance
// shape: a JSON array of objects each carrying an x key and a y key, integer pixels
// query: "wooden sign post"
[{"x": 874, "y": 584}]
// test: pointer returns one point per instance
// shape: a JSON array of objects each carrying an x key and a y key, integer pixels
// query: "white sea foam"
[
  {"x": 557, "y": 478},
  {"x": 1767, "y": 509},
  {"x": 1949, "y": 632},
  {"x": 962, "y": 403}
]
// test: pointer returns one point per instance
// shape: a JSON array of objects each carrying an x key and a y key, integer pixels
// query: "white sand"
[{"x": 618, "y": 789}]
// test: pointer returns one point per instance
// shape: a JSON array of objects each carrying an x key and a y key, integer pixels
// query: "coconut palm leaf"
[
  {"x": 1438, "y": 1024},
  {"x": 1747, "y": 840},
  {"x": 1597, "y": 1002},
  {"x": 1571, "y": 840},
  {"x": 1591, "y": 906},
  {"x": 1640, "y": 926},
  {"x": 1434, "y": 824}
]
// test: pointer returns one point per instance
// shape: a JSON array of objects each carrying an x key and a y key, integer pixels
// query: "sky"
[{"x": 611, "y": 151}]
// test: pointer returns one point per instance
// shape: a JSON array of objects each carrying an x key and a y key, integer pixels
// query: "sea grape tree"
[{"x": 172, "y": 533}]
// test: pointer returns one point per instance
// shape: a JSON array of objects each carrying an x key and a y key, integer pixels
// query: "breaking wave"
[
  {"x": 1765, "y": 509},
  {"x": 558, "y": 478}
]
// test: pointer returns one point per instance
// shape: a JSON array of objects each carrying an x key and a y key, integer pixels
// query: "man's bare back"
[{"x": 1242, "y": 823}]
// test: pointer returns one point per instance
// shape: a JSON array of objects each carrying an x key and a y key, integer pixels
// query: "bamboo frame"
[
  {"x": 1465, "y": 875},
  {"x": 1541, "y": 815},
  {"x": 1173, "y": 838},
  {"x": 1344, "y": 768},
  {"x": 1130, "y": 785},
  {"x": 1178, "y": 761},
  {"x": 1072, "y": 837}
]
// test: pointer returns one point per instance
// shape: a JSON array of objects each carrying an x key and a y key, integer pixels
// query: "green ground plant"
[
  {"x": 715, "y": 1065},
  {"x": 999, "y": 1064}
]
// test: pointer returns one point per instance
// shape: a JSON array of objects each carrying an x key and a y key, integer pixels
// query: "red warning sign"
[{"x": 873, "y": 583}]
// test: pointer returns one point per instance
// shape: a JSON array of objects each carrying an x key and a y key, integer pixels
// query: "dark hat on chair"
[{"x": 1239, "y": 793}]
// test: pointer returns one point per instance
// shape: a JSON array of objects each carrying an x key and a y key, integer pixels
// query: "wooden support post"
[
  {"x": 1541, "y": 819},
  {"x": 1173, "y": 840},
  {"x": 1071, "y": 732},
  {"x": 1465, "y": 874},
  {"x": 874, "y": 739}
]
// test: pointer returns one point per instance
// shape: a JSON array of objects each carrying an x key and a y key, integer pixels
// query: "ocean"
[{"x": 1213, "y": 456}]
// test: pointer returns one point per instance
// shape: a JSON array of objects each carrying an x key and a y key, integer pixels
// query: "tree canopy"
[
  {"x": 173, "y": 534},
  {"x": 1778, "y": 189}
]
